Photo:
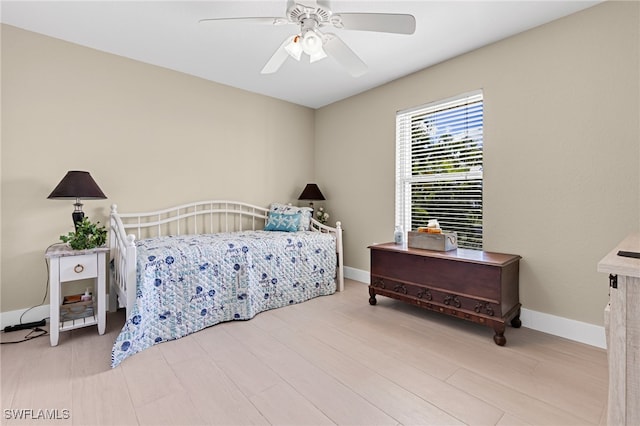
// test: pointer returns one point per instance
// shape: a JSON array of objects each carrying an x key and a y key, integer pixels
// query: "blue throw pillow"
[
  {"x": 282, "y": 222},
  {"x": 305, "y": 213}
]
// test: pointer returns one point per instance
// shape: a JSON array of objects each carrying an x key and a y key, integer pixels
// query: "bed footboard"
[
  {"x": 195, "y": 218},
  {"x": 122, "y": 289},
  {"x": 319, "y": 227}
]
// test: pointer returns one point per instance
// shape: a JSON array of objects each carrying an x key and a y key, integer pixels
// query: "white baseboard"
[
  {"x": 356, "y": 274},
  {"x": 13, "y": 317},
  {"x": 578, "y": 331},
  {"x": 582, "y": 332}
]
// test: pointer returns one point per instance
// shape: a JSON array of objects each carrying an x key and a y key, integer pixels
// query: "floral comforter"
[{"x": 186, "y": 283}]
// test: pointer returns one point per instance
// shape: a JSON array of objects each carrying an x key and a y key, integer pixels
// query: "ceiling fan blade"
[
  {"x": 346, "y": 57},
  {"x": 381, "y": 22},
  {"x": 251, "y": 20},
  {"x": 277, "y": 59}
]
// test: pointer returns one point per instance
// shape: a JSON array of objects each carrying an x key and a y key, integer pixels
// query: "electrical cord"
[
  {"x": 29, "y": 336},
  {"x": 46, "y": 289}
]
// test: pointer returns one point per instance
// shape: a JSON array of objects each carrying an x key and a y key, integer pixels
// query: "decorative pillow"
[
  {"x": 304, "y": 212},
  {"x": 282, "y": 222}
]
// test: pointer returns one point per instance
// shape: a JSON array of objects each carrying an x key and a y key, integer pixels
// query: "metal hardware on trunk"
[
  {"x": 425, "y": 293},
  {"x": 400, "y": 288}
]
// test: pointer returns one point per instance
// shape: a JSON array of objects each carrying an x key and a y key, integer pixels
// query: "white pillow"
[{"x": 305, "y": 213}]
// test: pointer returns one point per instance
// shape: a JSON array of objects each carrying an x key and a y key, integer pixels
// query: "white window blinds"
[{"x": 439, "y": 167}]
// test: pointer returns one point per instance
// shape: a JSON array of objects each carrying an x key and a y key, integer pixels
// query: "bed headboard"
[{"x": 203, "y": 217}]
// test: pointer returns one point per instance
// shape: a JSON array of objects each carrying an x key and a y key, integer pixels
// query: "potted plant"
[{"x": 88, "y": 235}]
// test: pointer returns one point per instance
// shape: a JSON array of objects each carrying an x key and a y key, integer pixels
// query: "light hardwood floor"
[{"x": 331, "y": 360}]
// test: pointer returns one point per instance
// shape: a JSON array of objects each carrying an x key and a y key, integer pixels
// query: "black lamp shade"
[
  {"x": 77, "y": 185},
  {"x": 311, "y": 192}
]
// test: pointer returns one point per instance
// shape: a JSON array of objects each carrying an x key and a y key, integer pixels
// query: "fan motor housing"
[{"x": 298, "y": 12}]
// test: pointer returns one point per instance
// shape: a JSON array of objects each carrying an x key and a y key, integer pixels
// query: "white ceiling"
[{"x": 167, "y": 34}]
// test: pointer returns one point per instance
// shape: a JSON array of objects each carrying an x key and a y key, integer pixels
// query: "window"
[{"x": 439, "y": 167}]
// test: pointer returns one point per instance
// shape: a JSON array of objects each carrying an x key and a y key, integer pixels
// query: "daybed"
[{"x": 179, "y": 270}]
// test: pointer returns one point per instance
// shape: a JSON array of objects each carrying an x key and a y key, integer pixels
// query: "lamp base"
[{"x": 77, "y": 216}]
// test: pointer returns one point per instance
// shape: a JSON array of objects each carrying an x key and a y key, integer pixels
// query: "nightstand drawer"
[{"x": 78, "y": 267}]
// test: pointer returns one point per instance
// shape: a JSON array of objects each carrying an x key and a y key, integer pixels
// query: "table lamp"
[
  {"x": 77, "y": 185},
  {"x": 311, "y": 192}
]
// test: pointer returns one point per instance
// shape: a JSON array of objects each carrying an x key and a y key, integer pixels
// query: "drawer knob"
[{"x": 78, "y": 268}]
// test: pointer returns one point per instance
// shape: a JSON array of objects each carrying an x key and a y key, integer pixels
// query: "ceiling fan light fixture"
[
  {"x": 294, "y": 48},
  {"x": 313, "y": 15},
  {"x": 311, "y": 43}
]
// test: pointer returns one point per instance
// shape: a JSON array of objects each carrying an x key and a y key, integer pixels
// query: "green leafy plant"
[{"x": 87, "y": 235}]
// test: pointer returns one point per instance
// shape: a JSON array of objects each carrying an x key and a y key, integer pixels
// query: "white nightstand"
[{"x": 66, "y": 264}]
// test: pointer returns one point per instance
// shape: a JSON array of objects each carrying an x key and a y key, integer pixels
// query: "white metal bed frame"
[{"x": 203, "y": 217}]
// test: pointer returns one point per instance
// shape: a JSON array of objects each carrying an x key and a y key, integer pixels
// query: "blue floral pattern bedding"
[{"x": 189, "y": 282}]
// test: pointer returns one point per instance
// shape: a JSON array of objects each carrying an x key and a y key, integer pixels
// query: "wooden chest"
[{"x": 474, "y": 285}]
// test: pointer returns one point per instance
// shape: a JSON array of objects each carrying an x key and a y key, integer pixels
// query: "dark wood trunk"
[{"x": 474, "y": 285}]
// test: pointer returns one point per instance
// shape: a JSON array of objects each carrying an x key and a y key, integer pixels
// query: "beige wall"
[
  {"x": 150, "y": 137},
  {"x": 562, "y": 157}
]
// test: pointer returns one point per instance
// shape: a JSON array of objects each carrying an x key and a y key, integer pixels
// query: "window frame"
[{"x": 406, "y": 178}]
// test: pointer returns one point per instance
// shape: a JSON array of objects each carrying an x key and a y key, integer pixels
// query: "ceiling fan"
[{"x": 310, "y": 16}]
